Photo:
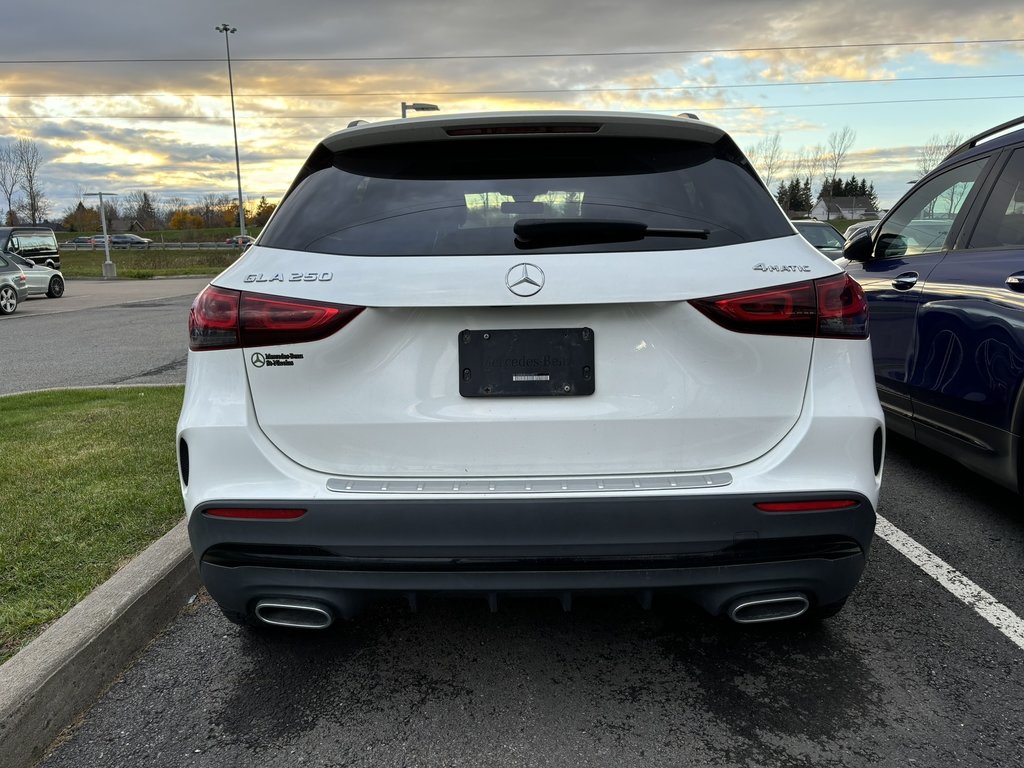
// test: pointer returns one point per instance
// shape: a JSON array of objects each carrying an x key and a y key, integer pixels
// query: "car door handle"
[
  {"x": 1015, "y": 282},
  {"x": 906, "y": 281}
]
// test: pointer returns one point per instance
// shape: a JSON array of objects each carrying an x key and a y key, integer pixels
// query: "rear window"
[
  {"x": 32, "y": 243},
  {"x": 463, "y": 197}
]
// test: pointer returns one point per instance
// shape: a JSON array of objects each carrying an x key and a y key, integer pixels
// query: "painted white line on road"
[{"x": 997, "y": 614}]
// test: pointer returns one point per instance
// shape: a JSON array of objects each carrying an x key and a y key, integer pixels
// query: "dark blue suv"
[{"x": 944, "y": 275}]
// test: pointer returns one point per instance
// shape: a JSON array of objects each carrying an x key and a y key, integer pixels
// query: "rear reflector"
[
  {"x": 255, "y": 513},
  {"x": 817, "y": 505},
  {"x": 832, "y": 307},
  {"x": 223, "y": 319}
]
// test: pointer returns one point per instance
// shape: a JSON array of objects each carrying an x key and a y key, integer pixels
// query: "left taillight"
[
  {"x": 213, "y": 319},
  {"x": 222, "y": 319},
  {"x": 831, "y": 307}
]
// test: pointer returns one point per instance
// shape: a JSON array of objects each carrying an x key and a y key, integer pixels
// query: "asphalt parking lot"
[
  {"x": 925, "y": 667},
  {"x": 100, "y": 333}
]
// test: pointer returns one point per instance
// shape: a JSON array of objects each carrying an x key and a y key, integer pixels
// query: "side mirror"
[{"x": 858, "y": 248}]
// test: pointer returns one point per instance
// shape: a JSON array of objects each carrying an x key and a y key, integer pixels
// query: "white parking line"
[{"x": 997, "y": 614}]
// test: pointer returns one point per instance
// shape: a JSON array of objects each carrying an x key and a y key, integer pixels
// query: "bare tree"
[
  {"x": 766, "y": 157},
  {"x": 142, "y": 207},
  {"x": 30, "y": 160},
  {"x": 839, "y": 144},
  {"x": 211, "y": 208},
  {"x": 936, "y": 149},
  {"x": 10, "y": 180},
  {"x": 111, "y": 211},
  {"x": 802, "y": 164},
  {"x": 171, "y": 205},
  {"x": 830, "y": 159}
]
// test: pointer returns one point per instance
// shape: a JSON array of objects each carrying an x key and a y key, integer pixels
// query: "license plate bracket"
[{"x": 535, "y": 362}]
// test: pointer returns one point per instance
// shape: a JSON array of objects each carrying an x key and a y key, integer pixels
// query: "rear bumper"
[{"x": 713, "y": 549}]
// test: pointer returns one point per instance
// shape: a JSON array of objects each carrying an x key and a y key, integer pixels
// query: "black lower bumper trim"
[{"x": 742, "y": 553}]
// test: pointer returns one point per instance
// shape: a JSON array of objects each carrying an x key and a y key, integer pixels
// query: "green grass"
[
  {"x": 148, "y": 263},
  {"x": 90, "y": 481}
]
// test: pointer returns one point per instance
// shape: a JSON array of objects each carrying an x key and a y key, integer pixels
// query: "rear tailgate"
[{"x": 672, "y": 391}]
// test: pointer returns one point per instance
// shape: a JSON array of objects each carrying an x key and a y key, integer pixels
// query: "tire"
[
  {"x": 56, "y": 287},
  {"x": 8, "y": 300}
]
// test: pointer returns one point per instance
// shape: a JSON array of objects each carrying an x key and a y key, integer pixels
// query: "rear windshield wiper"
[{"x": 548, "y": 233}]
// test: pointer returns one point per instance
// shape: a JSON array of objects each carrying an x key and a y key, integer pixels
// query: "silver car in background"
[
  {"x": 13, "y": 285},
  {"x": 42, "y": 281}
]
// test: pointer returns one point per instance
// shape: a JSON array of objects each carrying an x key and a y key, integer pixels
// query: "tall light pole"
[
  {"x": 418, "y": 106},
  {"x": 109, "y": 268},
  {"x": 229, "y": 30}
]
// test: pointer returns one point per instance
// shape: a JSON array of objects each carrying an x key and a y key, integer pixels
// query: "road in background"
[{"x": 100, "y": 332}]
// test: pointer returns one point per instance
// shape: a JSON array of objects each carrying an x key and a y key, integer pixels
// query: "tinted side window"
[
  {"x": 922, "y": 222},
  {"x": 463, "y": 197},
  {"x": 1001, "y": 224}
]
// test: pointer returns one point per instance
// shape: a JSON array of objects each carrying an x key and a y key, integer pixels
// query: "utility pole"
[
  {"x": 109, "y": 268},
  {"x": 229, "y": 30}
]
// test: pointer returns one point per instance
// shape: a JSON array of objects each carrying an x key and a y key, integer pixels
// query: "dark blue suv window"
[
  {"x": 922, "y": 222},
  {"x": 1001, "y": 224}
]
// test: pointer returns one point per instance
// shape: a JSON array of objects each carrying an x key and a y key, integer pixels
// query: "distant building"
[
  {"x": 126, "y": 225},
  {"x": 843, "y": 208}
]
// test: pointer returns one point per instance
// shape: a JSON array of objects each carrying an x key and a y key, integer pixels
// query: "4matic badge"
[
  {"x": 260, "y": 360},
  {"x": 762, "y": 267}
]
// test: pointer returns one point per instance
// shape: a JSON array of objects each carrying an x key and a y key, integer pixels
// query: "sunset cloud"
[{"x": 128, "y": 100}]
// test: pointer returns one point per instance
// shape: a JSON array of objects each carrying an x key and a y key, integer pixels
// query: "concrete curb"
[{"x": 59, "y": 675}]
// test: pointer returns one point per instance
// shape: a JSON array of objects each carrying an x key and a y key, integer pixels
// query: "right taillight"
[
  {"x": 832, "y": 307},
  {"x": 222, "y": 319},
  {"x": 842, "y": 308}
]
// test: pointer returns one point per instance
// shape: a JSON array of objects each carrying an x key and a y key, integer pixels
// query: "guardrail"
[{"x": 150, "y": 247}]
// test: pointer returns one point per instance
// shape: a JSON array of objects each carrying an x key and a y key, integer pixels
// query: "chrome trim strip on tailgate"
[{"x": 529, "y": 485}]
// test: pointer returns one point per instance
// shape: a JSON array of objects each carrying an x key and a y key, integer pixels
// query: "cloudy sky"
[{"x": 124, "y": 96}]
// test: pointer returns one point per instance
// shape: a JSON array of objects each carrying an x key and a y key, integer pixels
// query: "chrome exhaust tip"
[
  {"x": 301, "y": 614},
  {"x": 761, "y": 608}
]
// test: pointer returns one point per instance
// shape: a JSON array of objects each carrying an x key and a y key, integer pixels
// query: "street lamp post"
[
  {"x": 418, "y": 106},
  {"x": 109, "y": 268},
  {"x": 229, "y": 30}
]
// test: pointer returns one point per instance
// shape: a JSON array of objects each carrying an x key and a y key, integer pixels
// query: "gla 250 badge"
[{"x": 290, "y": 277}]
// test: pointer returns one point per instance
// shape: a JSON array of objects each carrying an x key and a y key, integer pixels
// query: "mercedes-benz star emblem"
[
  {"x": 258, "y": 360},
  {"x": 525, "y": 279}
]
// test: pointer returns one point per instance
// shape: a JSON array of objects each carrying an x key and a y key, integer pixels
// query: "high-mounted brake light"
[
  {"x": 518, "y": 130},
  {"x": 832, "y": 307},
  {"x": 222, "y": 319}
]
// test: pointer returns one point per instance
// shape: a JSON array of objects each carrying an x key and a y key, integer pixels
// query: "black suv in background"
[
  {"x": 944, "y": 276},
  {"x": 37, "y": 244}
]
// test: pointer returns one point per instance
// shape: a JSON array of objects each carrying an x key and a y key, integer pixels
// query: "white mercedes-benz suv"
[{"x": 529, "y": 353}]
